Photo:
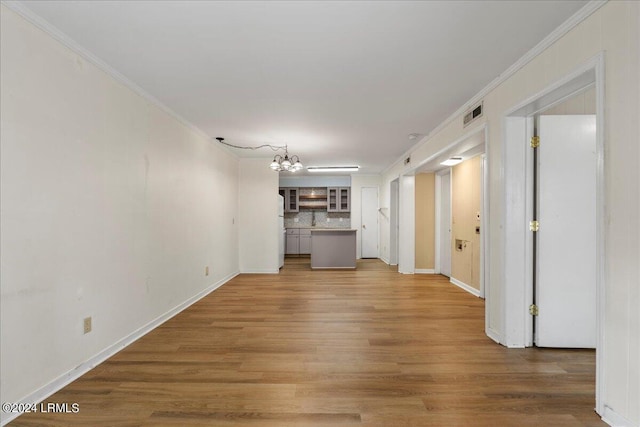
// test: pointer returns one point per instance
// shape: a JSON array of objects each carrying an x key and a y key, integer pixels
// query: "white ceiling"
[{"x": 339, "y": 82}]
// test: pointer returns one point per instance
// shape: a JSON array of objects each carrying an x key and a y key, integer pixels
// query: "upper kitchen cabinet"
[
  {"x": 291, "y": 199},
  {"x": 338, "y": 199},
  {"x": 313, "y": 198}
]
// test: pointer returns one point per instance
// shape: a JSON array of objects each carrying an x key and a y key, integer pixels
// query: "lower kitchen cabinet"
[
  {"x": 292, "y": 246},
  {"x": 305, "y": 242},
  {"x": 298, "y": 241}
]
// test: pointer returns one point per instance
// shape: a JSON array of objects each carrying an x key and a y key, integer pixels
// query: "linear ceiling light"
[
  {"x": 333, "y": 168},
  {"x": 452, "y": 161}
]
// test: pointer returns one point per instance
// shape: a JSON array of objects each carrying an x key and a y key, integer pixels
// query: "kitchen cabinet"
[
  {"x": 292, "y": 246},
  {"x": 291, "y": 198},
  {"x": 305, "y": 242},
  {"x": 338, "y": 199},
  {"x": 333, "y": 248},
  {"x": 312, "y": 198},
  {"x": 298, "y": 241}
]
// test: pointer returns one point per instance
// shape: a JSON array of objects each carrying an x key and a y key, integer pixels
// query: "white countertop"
[
  {"x": 334, "y": 229},
  {"x": 319, "y": 228}
]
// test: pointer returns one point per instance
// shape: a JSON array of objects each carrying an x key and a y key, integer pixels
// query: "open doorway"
[
  {"x": 536, "y": 198},
  {"x": 459, "y": 205},
  {"x": 443, "y": 224}
]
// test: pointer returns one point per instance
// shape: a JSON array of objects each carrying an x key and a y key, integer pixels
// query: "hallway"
[{"x": 331, "y": 348}]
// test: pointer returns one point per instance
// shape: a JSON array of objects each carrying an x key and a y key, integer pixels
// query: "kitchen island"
[{"x": 333, "y": 248}]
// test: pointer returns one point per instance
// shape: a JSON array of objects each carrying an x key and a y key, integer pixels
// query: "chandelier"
[
  {"x": 286, "y": 163},
  {"x": 280, "y": 163}
]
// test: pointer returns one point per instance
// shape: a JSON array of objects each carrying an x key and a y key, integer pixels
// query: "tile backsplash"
[{"x": 305, "y": 219}]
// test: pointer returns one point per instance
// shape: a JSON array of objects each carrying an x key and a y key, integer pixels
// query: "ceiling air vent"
[{"x": 472, "y": 114}]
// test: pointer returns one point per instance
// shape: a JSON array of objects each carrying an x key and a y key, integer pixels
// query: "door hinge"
[
  {"x": 533, "y": 310},
  {"x": 534, "y": 225},
  {"x": 535, "y": 141}
]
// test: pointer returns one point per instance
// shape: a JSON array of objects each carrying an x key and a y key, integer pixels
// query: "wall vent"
[{"x": 472, "y": 114}]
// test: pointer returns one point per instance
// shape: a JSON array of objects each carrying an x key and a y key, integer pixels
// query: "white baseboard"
[
  {"x": 466, "y": 287},
  {"x": 385, "y": 260},
  {"x": 265, "y": 271},
  {"x": 72, "y": 375},
  {"x": 493, "y": 335},
  {"x": 425, "y": 271},
  {"x": 614, "y": 419}
]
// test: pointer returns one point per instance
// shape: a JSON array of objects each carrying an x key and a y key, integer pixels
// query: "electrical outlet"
[
  {"x": 87, "y": 325},
  {"x": 206, "y": 270},
  {"x": 328, "y": 219}
]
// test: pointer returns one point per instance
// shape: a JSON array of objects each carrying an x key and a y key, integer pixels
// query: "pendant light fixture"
[
  {"x": 286, "y": 163},
  {"x": 280, "y": 163}
]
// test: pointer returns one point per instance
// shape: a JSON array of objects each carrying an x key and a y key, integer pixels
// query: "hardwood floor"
[{"x": 368, "y": 347}]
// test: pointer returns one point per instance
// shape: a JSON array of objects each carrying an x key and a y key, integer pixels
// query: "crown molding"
[
  {"x": 61, "y": 37},
  {"x": 575, "y": 19}
]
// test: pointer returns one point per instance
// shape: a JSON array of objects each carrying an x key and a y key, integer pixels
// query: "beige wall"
[
  {"x": 425, "y": 221},
  {"x": 582, "y": 103},
  {"x": 466, "y": 181},
  {"x": 614, "y": 30},
  {"x": 111, "y": 208}
]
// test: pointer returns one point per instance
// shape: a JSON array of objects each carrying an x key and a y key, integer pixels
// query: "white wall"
[
  {"x": 357, "y": 182},
  {"x": 258, "y": 217},
  {"x": 319, "y": 180},
  {"x": 614, "y": 29},
  {"x": 111, "y": 208},
  {"x": 407, "y": 229}
]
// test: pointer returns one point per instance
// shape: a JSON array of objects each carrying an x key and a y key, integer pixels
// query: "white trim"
[
  {"x": 385, "y": 260},
  {"x": 484, "y": 173},
  {"x": 75, "y": 373},
  {"x": 614, "y": 419},
  {"x": 457, "y": 143},
  {"x": 424, "y": 271},
  {"x": 494, "y": 335},
  {"x": 437, "y": 234},
  {"x": 407, "y": 225},
  {"x": 601, "y": 265},
  {"x": 550, "y": 39},
  {"x": 259, "y": 271},
  {"x": 35, "y": 19},
  {"x": 464, "y": 286}
]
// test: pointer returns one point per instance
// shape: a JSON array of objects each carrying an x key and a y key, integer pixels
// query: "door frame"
[
  {"x": 438, "y": 209},
  {"x": 406, "y": 225},
  {"x": 394, "y": 194},
  {"x": 517, "y": 159}
]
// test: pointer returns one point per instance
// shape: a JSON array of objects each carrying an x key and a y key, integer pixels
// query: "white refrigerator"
[{"x": 281, "y": 231}]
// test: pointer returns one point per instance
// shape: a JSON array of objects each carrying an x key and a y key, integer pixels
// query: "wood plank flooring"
[{"x": 368, "y": 347}]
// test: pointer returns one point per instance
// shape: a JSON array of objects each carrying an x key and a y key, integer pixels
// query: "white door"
[
  {"x": 445, "y": 224},
  {"x": 566, "y": 240},
  {"x": 369, "y": 232}
]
